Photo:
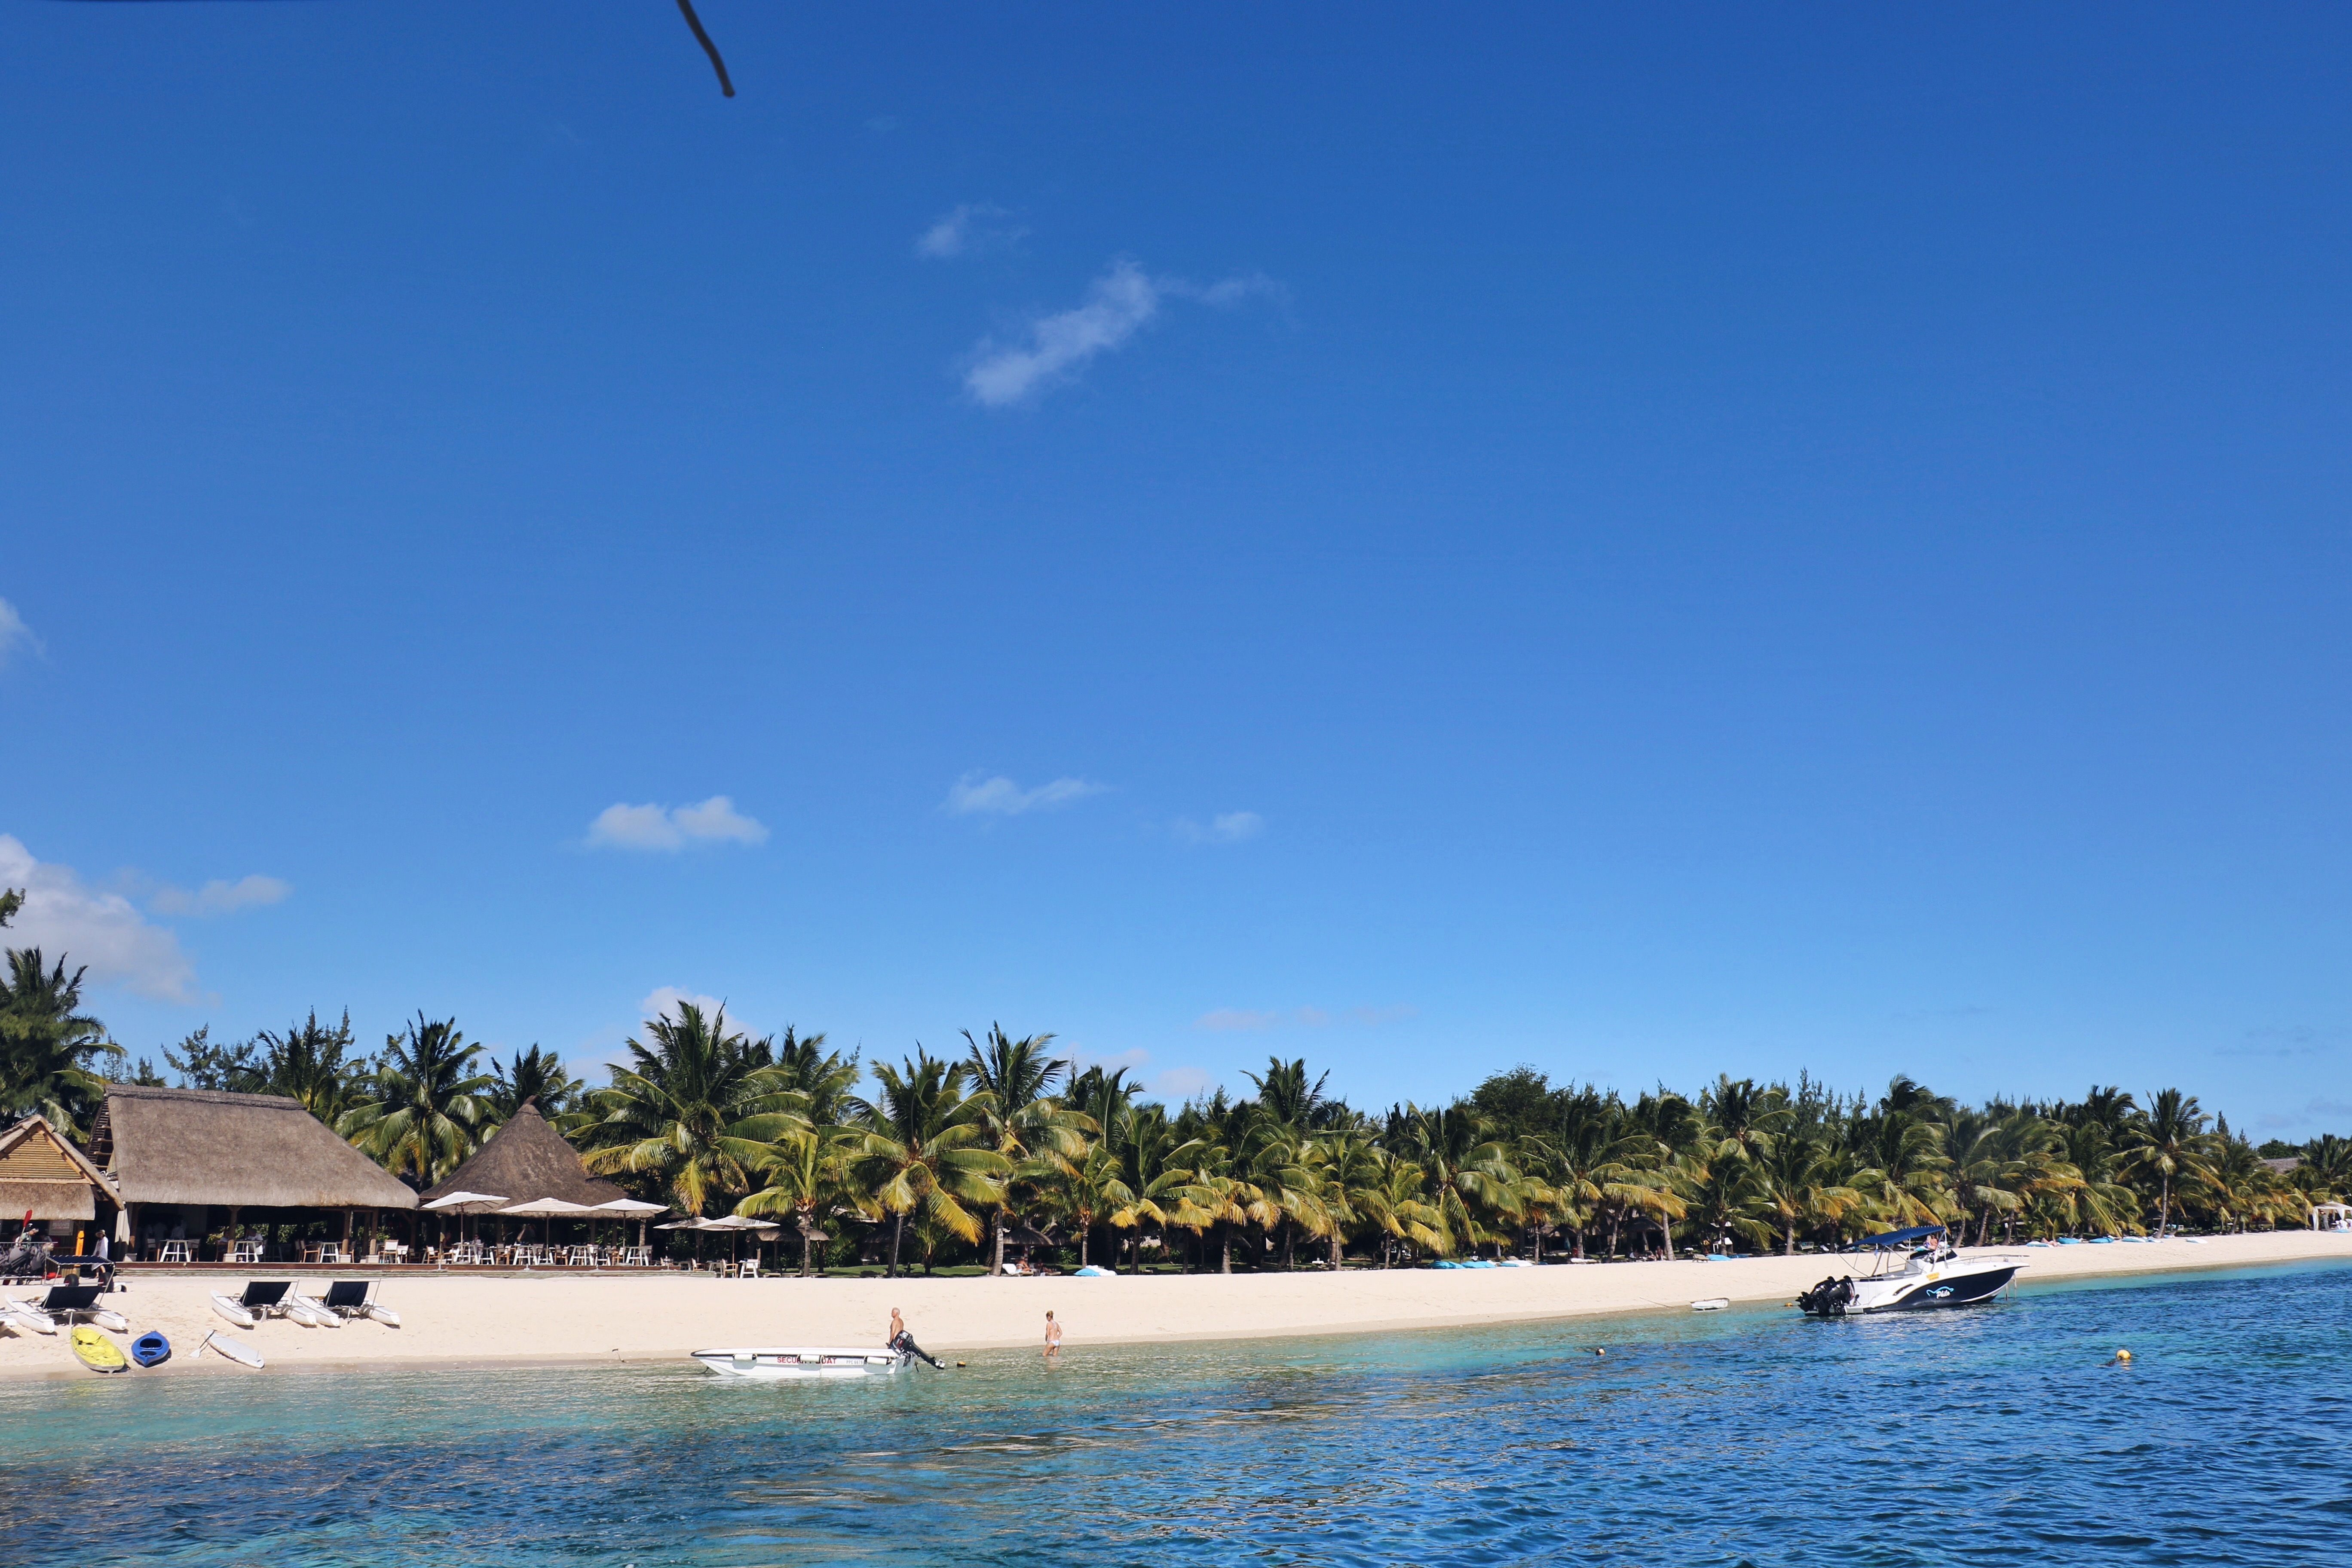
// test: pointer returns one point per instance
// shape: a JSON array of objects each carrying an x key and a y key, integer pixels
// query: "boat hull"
[
  {"x": 802, "y": 1362},
  {"x": 1967, "y": 1286}
]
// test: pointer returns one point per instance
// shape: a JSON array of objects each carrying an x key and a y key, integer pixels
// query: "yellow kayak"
[{"x": 96, "y": 1351}]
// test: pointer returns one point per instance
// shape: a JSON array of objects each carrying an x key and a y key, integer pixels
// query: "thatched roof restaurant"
[
  {"x": 526, "y": 1160},
  {"x": 42, "y": 1173},
  {"x": 202, "y": 1146}
]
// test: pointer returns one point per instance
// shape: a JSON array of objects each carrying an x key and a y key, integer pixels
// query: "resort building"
[
  {"x": 186, "y": 1164},
  {"x": 44, "y": 1178}
]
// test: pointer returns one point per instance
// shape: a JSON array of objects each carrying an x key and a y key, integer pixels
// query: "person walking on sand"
[{"x": 1053, "y": 1337}]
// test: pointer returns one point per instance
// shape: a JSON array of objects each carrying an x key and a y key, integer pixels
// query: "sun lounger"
[
  {"x": 68, "y": 1303},
  {"x": 266, "y": 1297},
  {"x": 347, "y": 1299}
]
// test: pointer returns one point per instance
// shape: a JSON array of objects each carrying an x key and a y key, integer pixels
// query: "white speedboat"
[
  {"x": 1911, "y": 1270},
  {"x": 805, "y": 1361}
]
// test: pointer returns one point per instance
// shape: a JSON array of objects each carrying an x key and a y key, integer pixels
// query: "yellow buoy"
[{"x": 2123, "y": 1356}]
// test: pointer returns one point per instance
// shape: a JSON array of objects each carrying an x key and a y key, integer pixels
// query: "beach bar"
[{"x": 179, "y": 1157}]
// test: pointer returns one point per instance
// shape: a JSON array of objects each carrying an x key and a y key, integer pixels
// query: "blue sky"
[{"x": 1641, "y": 543}]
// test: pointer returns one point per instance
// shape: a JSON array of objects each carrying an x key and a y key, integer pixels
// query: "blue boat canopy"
[{"x": 1902, "y": 1237}]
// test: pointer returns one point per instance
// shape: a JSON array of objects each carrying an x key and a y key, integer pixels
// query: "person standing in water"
[{"x": 1053, "y": 1337}]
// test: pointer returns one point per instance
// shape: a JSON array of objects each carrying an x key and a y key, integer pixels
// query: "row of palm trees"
[
  {"x": 959, "y": 1152},
  {"x": 954, "y": 1154}
]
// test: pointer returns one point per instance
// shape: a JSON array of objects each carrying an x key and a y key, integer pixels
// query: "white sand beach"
[{"x": 451, "y": 1321}]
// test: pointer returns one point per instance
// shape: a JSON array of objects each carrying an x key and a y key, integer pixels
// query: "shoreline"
[{"x": 451, "y": 1322}]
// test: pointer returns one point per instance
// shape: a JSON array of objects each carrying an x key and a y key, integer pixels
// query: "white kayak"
[
  {"x": 24, "y": 1315},
  {"x": 383, "y": 1314},
  {"x": 1711, "y": 1304},
  {"x": 313, "y": 1312},
  {"x": 803, "y": 1361},
  {"x": 226, "y": 1306},
  {"x": 235, "y": 1351},
  {"x": 111, "y": 1321}
]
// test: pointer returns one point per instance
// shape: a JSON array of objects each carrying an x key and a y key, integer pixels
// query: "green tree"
[
  {"x": 2168, "y": 1142},
  {"x": 693, "y": 1114},
  {"x": 424, "y": 1106},
  {"x": 311, "y": 1062},
  {"x": 534, "y": 1077},
  {"x": 47, "y": 1045},
  {"x": 1039, "y": 1138},
  {"x": 924, "y": 1151}
]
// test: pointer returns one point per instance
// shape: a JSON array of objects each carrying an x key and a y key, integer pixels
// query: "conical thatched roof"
[
  {"x": 257, "y": 1150},
  {"x": 527, "y": 1160}
]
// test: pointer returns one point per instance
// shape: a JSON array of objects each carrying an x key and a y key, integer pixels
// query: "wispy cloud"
[
  {"x": 66, "y": 918},
  {"x": 967, "y": 229},
  {"x": 1052, "y": 348},
  {"x": 1228, "y": 1019},
  {"x": 663, "y": 1000},
  {"x": 713, "y": 821},
  {"x": 1225, "y": 828},
  {"x": 972, "y": 796},
  {"x": 14, "y": 634},
  {"x": 1182, "y": 1083},
  {"x": 219, "y": 898}
]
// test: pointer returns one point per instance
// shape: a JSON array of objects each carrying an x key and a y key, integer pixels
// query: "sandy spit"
[{"x": 457, "y": 1321}]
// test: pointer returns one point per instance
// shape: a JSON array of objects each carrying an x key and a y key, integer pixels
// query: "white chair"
[
  {"x": 750, "y": 1269},
  {"x": 173, "y": 1252}
]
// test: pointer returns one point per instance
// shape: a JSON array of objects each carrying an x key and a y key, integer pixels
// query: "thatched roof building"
[
  {"x": 527, "y": 1160},
  {"x": 253, "y": 1151},
  {"x": 42, "y": 1171}
]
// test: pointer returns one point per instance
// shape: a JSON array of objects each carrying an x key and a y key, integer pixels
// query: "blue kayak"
[{"x": 151, "y": 1348}]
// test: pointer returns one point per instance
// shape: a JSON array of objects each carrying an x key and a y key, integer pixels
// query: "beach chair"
[
  {"x": 266, "y": 1297},
  {"x": 69, "y": 1303},
  {"x": 347, "y": 1299},
  {"x": 750, "y": 1269}
]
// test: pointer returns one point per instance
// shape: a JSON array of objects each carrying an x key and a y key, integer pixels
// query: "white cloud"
[
  {"x": 1182, "y": 1083},
  {"x": 219, "y": 898},
  {"x": 1057, "y": 347},
  {"x": 1052, "y": 348},
  {"x": 14, "y": 632},
  {"x": 1227, "y": 1018},
  {"x": 662, "y": 1003},
  {"x": 999, "y": 796},
  {"x": 715, "y": 820},
  {"x": 1225, "y": 828},
  {"x": 966, "y": 228},
  {"x": 65, "y": 918}
]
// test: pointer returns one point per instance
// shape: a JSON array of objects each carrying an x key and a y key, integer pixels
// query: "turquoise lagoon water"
[{"x": 1751, "y": 1436}]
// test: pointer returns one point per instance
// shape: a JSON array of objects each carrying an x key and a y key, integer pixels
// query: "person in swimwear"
[
  {"x": 904, "y": 1343},
  {"x": 1052, "y": 1336}
]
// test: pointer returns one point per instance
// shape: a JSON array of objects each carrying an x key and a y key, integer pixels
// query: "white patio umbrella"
[
  {"x": 464, "y": 1204},
  {"x": 548, "y": 1208},
  {"x": 632, "y": 1206}
]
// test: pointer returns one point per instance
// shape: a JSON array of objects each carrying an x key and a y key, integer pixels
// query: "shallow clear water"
[{"x": 1750, "y": 1437}]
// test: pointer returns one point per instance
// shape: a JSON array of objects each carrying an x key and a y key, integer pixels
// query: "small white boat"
[
  {"x": 1711, "y": 1304},
  {"x": 24, "y": 1315},
  {"x": 111, "y": 1321},
  {"x": 310, "y": 1311},
  {"x": 235, "y": 1351},
  {"x": 803, "y": 1361},
  {"x": 383, "y": 1314},
  {"x": 226, "y": 1306}
]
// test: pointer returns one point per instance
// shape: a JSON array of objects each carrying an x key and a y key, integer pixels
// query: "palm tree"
[
  {"x": 1011, "y": 1098},
  {"x": 308, "y": 1063},
  {"x": 1158, "y": 1180},
  {"x": 1804, "y": 1186},
  {"x": 923, "y": 1150},
  {"x": 427, "y": 1103},
  {"x": 1469, "y": 1174},
  {"x": 46, "y": 1042},
  {"x": 694, "y": 1113},
  {"x": 806, "y": 1173},
  {"x": 826, "y": 1077},
  {"x": 2168, "y": 1140},
  {"x": 534, "y": 1077},
  {"x": 1902, "y": 1176}
]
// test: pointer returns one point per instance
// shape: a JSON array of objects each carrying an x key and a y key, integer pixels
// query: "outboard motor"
[
  {"x": 905, "y": 1345},
  {"x": 28, "y": 1259},
  {"x": 1828, "y": 1299}
]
